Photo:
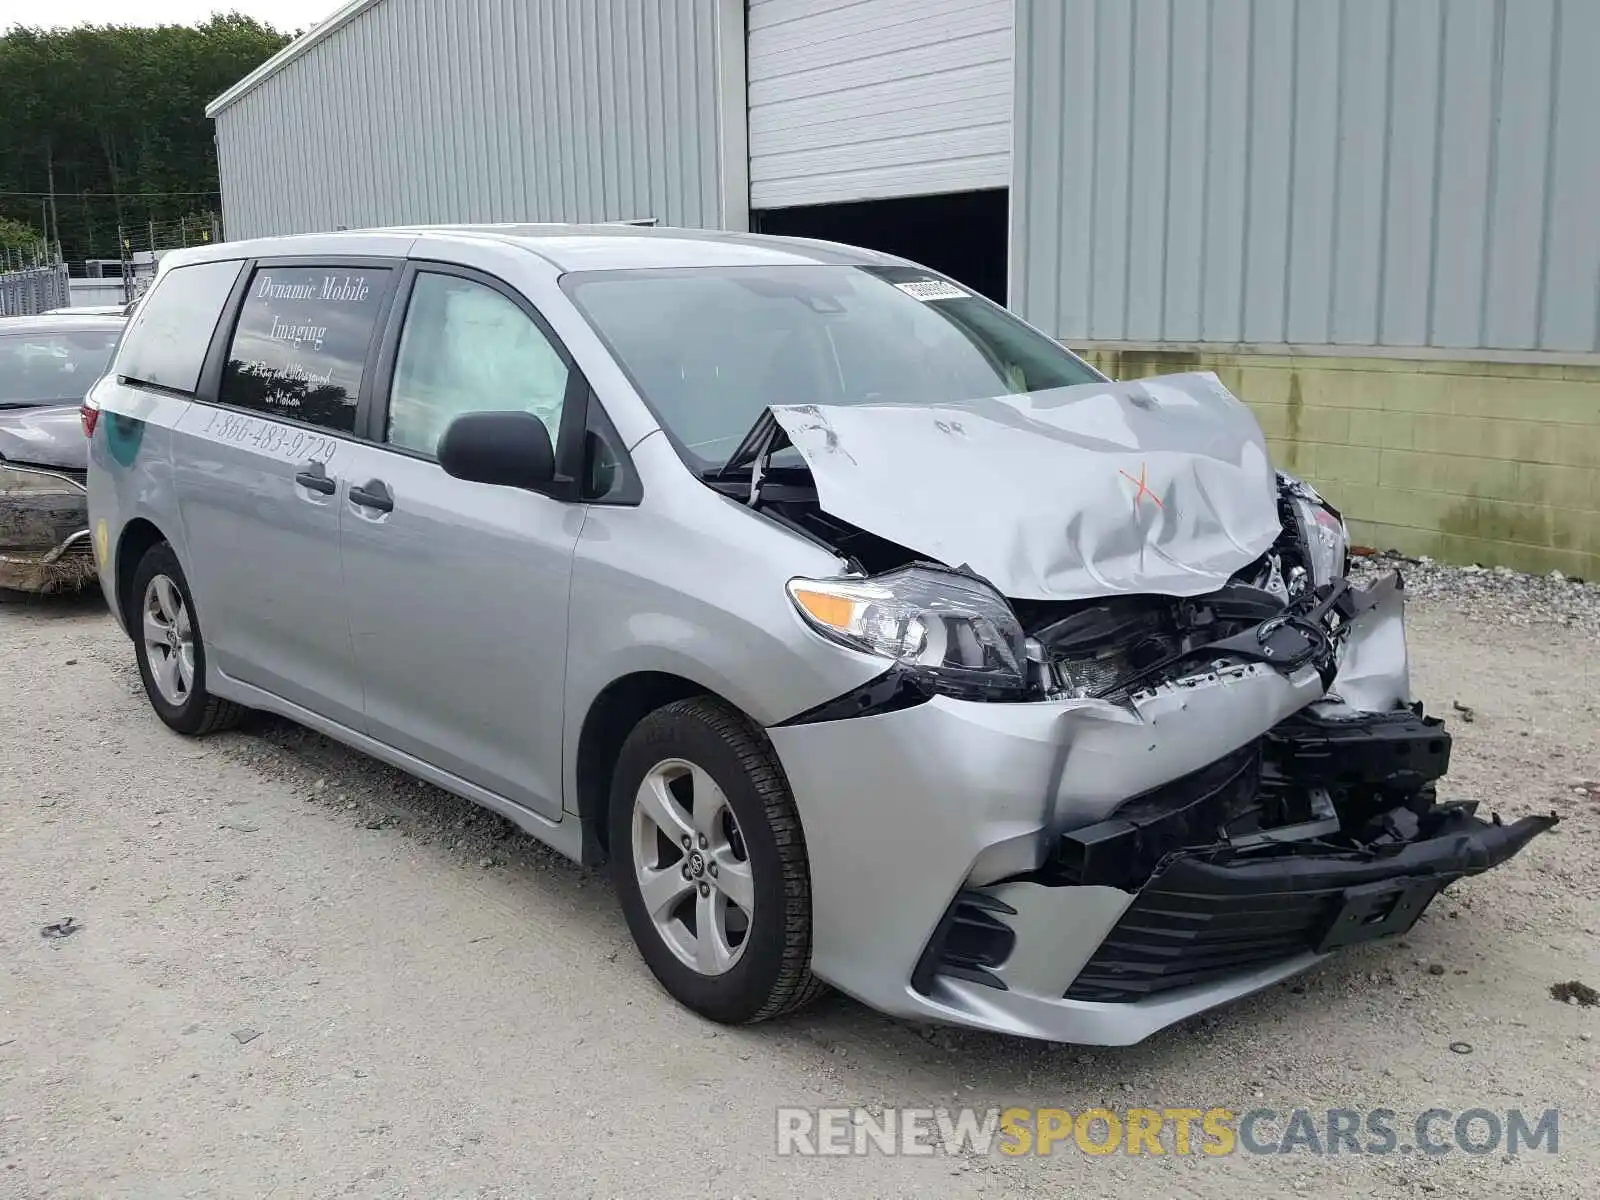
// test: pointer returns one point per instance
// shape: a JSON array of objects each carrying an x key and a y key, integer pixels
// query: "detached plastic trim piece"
[{"x": 896, "y": 689}]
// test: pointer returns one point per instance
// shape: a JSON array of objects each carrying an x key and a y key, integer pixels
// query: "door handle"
[
  {"x": 374, "y": 494},
  {"x": 315, "y": 478}
]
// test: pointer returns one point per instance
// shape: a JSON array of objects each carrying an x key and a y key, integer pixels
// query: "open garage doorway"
[{"x": 962, "y": 234}]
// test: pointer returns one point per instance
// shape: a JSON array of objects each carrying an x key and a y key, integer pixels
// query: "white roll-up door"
[{"x": 865, "y": 99}]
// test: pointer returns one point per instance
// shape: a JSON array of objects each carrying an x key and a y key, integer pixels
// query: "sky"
[{"x": 280, "y": 14}]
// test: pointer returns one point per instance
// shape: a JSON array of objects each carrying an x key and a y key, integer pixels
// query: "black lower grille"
[
  {"x": 972, "y": 937},
  {"x": 1172, "y": 937},
  {"x": 1203, "y": 917}
]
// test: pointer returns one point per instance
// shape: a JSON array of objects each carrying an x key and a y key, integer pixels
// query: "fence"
[
  {"x": 34, "y": 280},
  {"x": 33, "y": 290},
  {"x": 142, "y": 246}
]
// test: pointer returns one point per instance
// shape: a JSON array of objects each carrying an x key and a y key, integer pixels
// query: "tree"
[
  {"x": 112, "y": 120},
  {"x": 14, "y": 235}
]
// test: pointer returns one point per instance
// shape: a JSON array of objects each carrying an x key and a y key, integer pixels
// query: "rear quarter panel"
[{"x": 130, "y": 476}]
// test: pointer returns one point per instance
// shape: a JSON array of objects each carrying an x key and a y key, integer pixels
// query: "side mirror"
[{"x": 511, "y": 449}]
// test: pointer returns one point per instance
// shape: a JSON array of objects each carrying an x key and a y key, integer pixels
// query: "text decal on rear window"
[{"x": 301, "y": 343}]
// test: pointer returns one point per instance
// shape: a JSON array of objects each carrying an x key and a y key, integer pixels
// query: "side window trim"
[
  {"x": 222, "y": 337},
  {"x": 217, "y": 355},
  {"x": 598, "y": 422},
  {"x": 373, "y": 417},
  {"x": 157, "y": 389},
  {"x": 569, "y": 438}
]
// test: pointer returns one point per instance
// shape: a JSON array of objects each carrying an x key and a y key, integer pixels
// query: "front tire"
[
  {"x": 710, "y": 862},
  {"x": 170, "y": 650}
]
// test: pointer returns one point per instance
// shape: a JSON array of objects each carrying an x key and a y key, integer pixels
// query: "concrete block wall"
[{"x": 1489, "y": 462}]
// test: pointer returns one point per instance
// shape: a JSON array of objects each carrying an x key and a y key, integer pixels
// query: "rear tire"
[
  {"x": 710, "y": 863},
  {"x": 170, "y": 649}
]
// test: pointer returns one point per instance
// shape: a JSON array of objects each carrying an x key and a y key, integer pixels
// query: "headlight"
[
  {"x": 956, "y": 632},
  {"x": 1324, "y": 536}
]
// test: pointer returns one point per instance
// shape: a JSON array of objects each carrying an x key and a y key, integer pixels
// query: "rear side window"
[
  {"x": 44, "y": 366},
  {"x": 166, "y": 341},
  {"x": 300, "y": 345}
]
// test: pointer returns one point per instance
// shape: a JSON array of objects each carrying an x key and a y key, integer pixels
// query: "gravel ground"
[
  {"x": 302, "y": 974},
  {"x": 1496, "y": 595}
]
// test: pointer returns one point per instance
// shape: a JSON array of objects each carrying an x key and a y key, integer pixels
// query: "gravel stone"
[{"x": 1496, "y": 596}]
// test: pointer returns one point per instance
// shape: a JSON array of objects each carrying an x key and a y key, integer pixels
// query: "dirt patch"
[{"x": 1574, "y": 992}]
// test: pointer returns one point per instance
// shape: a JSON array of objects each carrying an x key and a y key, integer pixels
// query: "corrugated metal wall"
[
  {"x": 494, "y": 110},
  {"x": 1354, "y": 172},
  {"x": 863, "y": 99}
]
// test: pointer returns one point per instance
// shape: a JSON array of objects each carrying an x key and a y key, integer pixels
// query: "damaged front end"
[
  {"x": 1125, "y": 807},
  {"x": 44, "y": 538},
  {"x": 1322, "y": 831}
]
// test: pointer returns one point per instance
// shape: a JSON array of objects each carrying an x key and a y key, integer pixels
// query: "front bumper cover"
[
  {"x": 44, "y": 536},
  {"x": 940, "y": 843}
]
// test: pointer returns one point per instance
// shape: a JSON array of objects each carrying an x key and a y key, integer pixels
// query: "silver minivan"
[{"x": 875, "y": 639}]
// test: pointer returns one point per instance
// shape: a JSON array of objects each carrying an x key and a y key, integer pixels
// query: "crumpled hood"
[
  {"x": 45, "y": 437},
  {"x": 1153, "y": 486}
]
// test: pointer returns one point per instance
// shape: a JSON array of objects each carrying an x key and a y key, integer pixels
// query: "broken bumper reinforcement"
[{"x": 1202, "y": 918}]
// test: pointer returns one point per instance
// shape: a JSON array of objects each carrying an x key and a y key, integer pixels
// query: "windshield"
[
  {"x": 43, "y": 367},
  {"x": 709, "y": 348}
]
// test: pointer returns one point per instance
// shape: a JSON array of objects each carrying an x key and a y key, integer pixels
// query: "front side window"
[
  {"x": 300, "y": 345},
  {"x": 467, "y": 348},
  {"x": 710, "y": 347},
  {"x": 42, "y": 366}
]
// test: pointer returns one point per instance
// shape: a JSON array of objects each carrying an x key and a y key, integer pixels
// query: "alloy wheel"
[
  {"x": 168, "y": 640},
  {"x": 692, "y": 866}
]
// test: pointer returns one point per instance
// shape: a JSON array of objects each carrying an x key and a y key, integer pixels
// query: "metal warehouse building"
[{"x": 1377, "y": 220}]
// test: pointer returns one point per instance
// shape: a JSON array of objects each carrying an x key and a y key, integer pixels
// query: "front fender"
[{"x": 692, "y": 584}]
